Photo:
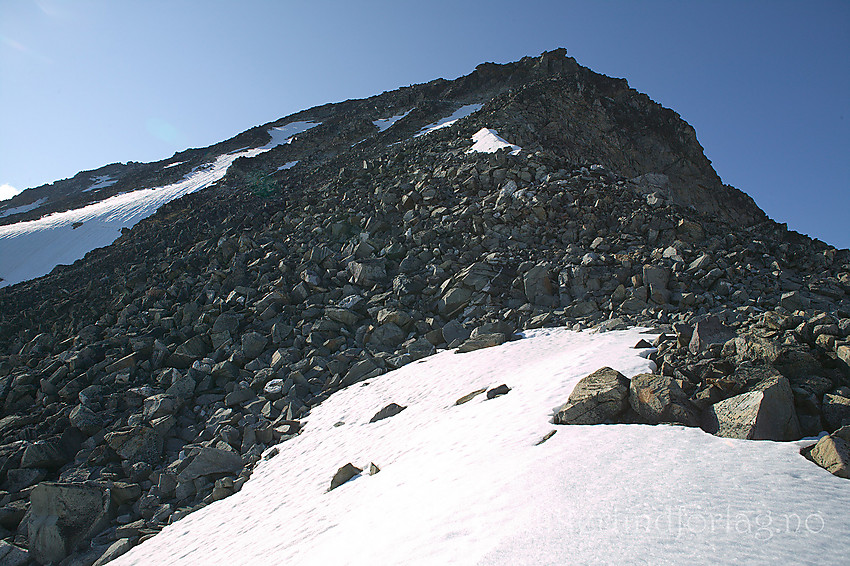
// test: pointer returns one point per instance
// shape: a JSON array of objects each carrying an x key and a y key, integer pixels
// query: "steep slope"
[
  {"x": 474, "y": 484},
  {"x": 208, "y": 331},
  {"x": 547, "y": 102}
]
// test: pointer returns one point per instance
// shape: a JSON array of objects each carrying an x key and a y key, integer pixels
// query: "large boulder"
[
  {"x": 367, "y": 272},
  {"x": 136, "y": 444},
  {"x": 836, "y": 410},
  {"x": 211, "y": 461},
  {"x": 708, "y": 332},
  {"x": 63, "y": 515},
  {"x": 765, "y": 413},
  {"x": 832, "y": 452},
  {"x": 11, "y": 555},
  {"x": 597, "y": 398},
  {"x": 454, "y": 299},
  {"x": 659, "y": 399},
  {"x": 538, "y": 286}
]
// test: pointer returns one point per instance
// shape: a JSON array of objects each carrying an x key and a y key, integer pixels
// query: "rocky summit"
[{"x": 147, "y": 379}]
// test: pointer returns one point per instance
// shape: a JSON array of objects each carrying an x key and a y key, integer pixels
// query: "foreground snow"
[
  {"x": 468, "y": 485},
  {"x": 32, "y": 249}
]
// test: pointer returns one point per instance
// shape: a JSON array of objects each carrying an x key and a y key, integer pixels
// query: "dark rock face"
[{"x": 163, "y": 366}]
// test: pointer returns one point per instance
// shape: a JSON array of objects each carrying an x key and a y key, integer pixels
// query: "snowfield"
[
  {"x": 32, "y": 249},
  {"x": 469, "y": 484},
  {"x": 461, "y": 112}
]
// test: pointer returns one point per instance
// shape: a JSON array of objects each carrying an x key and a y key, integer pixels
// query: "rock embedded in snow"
[
  {"x": 470, "y": 396},
  {"x": 389, "y": 411},
  {"x": 498, "y": 391},
  {"x": 481, "y": 341},
  {"x": 596, "y": 399},
  {"x": 344, "y": 474},
  {"x": 766, "y": 413},
  {"x": 659, "y": 399},
  {"x": 832, "y": 452}
]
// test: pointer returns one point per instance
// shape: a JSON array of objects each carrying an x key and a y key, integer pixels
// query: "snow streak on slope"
[
  {"x": 282, "y": 135},
  {"x": 23, "y": 208},
  {"x": 461, "y": 112},
  {"x": 32, "y": 249},
  {"x": 384, "y": 124},
  {"x": 100, "y": 182},
  {"x": 467, "y": 484},
  {"x": 489, "y": 141}
]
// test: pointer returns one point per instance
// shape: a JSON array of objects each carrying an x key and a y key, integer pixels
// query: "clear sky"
[{"x": 766, "y": 84}]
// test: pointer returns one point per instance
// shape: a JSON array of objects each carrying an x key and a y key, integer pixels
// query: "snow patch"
[
  {"x": 384, "y": 124},
  {"x": 461, "y": 112},
  {"x": 32, "y": 249},
  {"x": 100, "y": 182},
  {"x": 283, "y": 135},
  {"x": 23, "y": 208},
  {"x": 288, "y": 165},
  {"x": 468, "y": 484},
  {"x": 170, "y": 165},
  {"x": 489, "y": 141}
]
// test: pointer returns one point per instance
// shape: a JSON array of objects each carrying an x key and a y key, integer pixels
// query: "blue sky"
[{"x": 766, "y": 84}]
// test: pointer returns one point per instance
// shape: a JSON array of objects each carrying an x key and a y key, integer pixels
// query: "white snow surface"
[
  {"x": 283, "y": 135},
  {"x": 384, "y": 124},
  {"x": 32, "y": 249},
  {"x": 489, "y": 141},
  {"x": 23, "y": 208},
  {"x": 467, "y": 484},
  {"x": 100, "y": 182},
  {"x": 287, "y": 165},
  {"x": 461, "y": 112}
]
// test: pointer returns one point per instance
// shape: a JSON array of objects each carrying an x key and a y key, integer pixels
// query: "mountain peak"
[{"x": 169, "y": 323}]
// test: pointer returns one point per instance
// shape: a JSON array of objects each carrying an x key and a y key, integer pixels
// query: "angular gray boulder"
[
  {"x": 63, "y": 515},
  {"x": 211, "y": 461},
  {"x": 595, "y": 399},
  {"x": 832, "y": 453},
  {"x": 765, "y": 413},
  {"x": 707, "y": 332},
  {"x": 390, "y": 410},
  {"x": 659, "y": 399},
  {"x": 344, "y": 474}
]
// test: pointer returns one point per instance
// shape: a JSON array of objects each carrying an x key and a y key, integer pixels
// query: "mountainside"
[{"x": 331, "y": 246}]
